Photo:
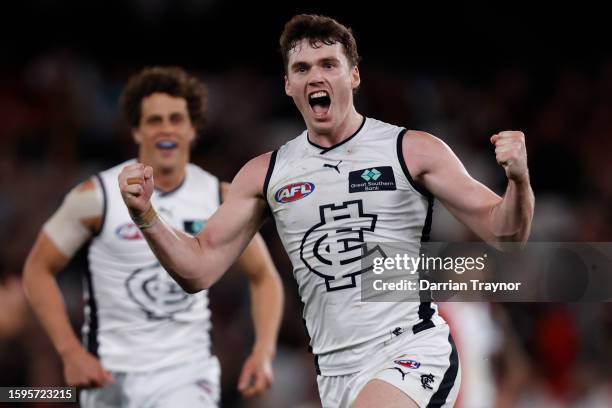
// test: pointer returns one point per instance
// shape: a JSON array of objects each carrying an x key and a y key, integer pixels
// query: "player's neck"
[
  {"x": 336, "y": 135},
  {"x": 168, "y": 179}
]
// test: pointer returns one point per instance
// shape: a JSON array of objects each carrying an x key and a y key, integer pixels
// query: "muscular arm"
[
  {"x": 494, "y": 219},
  {"x": 72, "y": 225},
  {"x": 266, "y": 290},
  {"x": 266, "y": 309},
  {"x": 197, "y": 262}
]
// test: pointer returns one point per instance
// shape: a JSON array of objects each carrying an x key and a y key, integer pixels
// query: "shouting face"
[{"x": 321, "y": 81}]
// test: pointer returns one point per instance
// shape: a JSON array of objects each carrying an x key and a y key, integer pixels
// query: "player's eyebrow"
[
  {"x": 329, "y": 59},
  {"x": 177, "y": 116},
  {"x": 153, "y": 118},
  {"x": 321, "y": 61}
]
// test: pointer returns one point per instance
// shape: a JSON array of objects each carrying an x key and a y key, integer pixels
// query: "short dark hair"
[
  {"x": 173, "y": 81},
  {"x": 317, "y": 29}
]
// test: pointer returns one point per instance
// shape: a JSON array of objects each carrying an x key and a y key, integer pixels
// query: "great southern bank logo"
[
  {"x": 293, "y": 192},
  {"x": 380, "y": 178},
  {"x": 372, "y": 174}
]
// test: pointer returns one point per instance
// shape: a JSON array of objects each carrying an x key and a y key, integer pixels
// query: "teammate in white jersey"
[
  {"x": 146, "y": 342},
  {"x": 347, "y": 180}
]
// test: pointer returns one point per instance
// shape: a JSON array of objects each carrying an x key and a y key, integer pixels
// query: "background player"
[{"x": 147, "y": 341}]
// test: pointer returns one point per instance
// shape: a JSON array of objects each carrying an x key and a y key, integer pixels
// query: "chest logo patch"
[
  {"x": 129, "y": 232},
  {"x": 372, "y": 179},
  {"x": 293, "y": 192},
  {"x": 194, "y": 227}
]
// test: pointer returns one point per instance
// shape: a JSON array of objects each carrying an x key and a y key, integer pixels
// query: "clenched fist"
[
  {"x": 511, "y": 154},
  {"x": 136, "y": 186},
  {"x": 256, "y": 376},
  {"x": 82, "y": 369}
]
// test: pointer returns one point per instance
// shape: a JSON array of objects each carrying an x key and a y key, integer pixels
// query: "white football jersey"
[
  {"x": 137, "y": 317},
  {"x": 327, "y": 203}
]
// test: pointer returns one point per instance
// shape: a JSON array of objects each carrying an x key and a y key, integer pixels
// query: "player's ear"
[
  {"x": 136, "y": 136},
  {"x": 192, "y": 134},
  {"x": 355, "y": 78},
  {"x": 287, "y": 87}
]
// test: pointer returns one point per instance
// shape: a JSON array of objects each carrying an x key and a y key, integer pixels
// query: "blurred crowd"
[{"x": 61, "y": 123}]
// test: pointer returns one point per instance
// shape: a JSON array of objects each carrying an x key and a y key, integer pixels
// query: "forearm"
[
  {"x": 196, "y": 263},
  {"x": 46, "y": 300},
  {"x": 179, "y": 253},
  {"x": 511, "y": 218},
  {"x": 266, "y": 309}
]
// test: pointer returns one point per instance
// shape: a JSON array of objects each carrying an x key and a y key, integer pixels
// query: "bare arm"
[
  {"x": 266, "y": 308},
  {"x": 266, "y": 294},
  {"x": 44, "y": 295},
  {"x": 39, "y": 280},
  {"x": 197, "y": 262},
  {"x": 495, "y": 219}
]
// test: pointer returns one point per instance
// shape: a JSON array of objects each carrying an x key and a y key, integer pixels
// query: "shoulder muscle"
[{"x": 77, "y": 218}]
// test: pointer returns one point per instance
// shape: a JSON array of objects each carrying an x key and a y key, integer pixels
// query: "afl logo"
[
  {"x": 128, "y": 232},
  {"x": 408, "y": 363},
  {"x": 293, "y": 192}
]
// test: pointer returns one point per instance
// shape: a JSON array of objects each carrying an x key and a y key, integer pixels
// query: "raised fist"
[
  {"x": 136, "y": 185},
  {"x": 511, "y": 154}
]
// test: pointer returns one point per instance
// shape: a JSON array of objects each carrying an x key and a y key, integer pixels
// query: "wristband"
[{"x": 146, "y": 219}]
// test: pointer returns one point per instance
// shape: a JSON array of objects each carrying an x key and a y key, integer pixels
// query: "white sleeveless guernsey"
[
  {"x": 137, "y": 317},
  {"x": 328, "y": 202}
]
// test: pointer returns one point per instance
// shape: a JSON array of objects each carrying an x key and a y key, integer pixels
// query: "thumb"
[
  {"x": 149, "y": 183},
  {"x": 245, "y": 377},
  {"x": 148, "y": 173},
  {"x": 109, "y": 377}
]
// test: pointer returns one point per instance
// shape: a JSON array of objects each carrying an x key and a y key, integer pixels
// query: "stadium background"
[{"x": 459, "y": 73}]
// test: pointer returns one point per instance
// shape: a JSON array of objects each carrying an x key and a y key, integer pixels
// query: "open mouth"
[
  {"x": 319, "y": 102},
  {"x": 166, "y": 144}
]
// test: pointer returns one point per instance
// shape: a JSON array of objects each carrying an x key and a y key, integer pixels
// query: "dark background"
[{"x": 461, "y": 73}]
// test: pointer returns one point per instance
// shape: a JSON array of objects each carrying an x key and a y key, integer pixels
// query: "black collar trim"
[{"x": 327, "y": 149}]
